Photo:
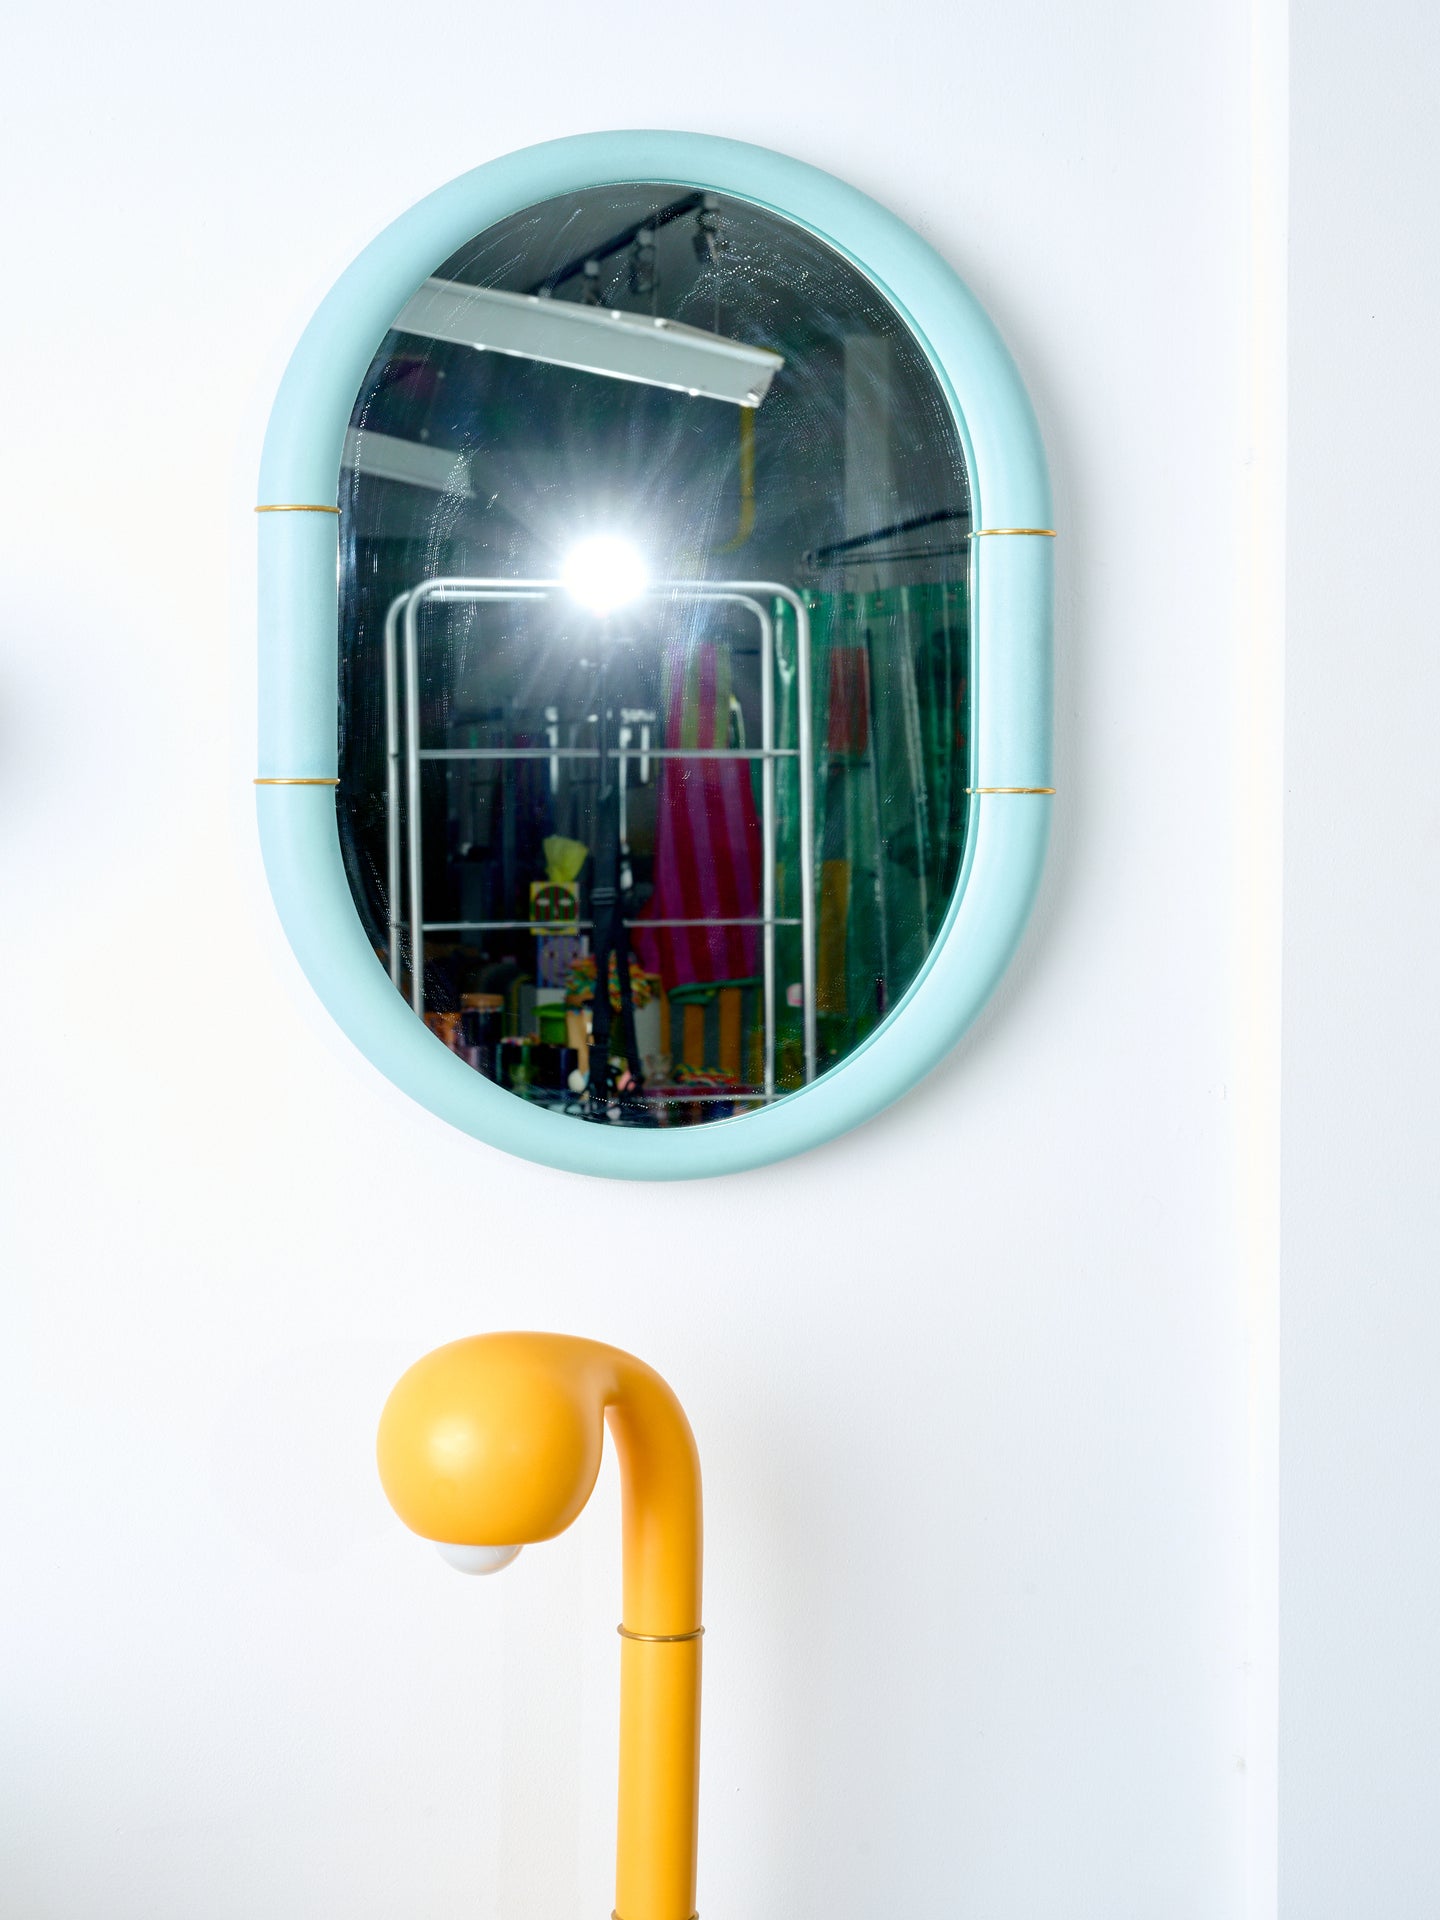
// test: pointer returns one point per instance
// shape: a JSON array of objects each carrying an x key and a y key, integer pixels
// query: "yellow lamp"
[{"x": 491, "y": 1443}]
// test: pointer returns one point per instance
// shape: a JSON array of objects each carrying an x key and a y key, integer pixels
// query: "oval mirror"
[{"x": 675, "y": 660}]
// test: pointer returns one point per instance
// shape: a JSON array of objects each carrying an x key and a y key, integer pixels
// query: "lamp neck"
[{"x": 660, "y": 1500}]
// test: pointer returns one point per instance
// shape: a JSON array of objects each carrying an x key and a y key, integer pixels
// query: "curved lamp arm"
[{"x": 495, "y": 1442}]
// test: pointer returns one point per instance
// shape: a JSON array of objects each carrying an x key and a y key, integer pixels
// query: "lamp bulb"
[{"x": 476, "y": 1559}]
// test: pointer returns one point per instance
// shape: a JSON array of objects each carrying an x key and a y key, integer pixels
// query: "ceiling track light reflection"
[
  {"x": 604, "y": 573},
  {"x": 648, "y": 349}
]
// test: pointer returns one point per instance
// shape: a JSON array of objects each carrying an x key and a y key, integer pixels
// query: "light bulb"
[
  {"x": 604, "y": 572},
  {"x": 476, "y": 1559}
]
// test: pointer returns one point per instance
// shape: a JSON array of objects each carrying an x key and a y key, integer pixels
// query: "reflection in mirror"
[{"x": 654, "y": 655}]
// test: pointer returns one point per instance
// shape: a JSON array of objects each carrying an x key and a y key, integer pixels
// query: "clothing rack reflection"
[{"x": 402, "y": 625}]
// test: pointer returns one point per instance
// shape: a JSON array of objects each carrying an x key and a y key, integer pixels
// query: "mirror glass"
[{"x": 654, "y": 655}]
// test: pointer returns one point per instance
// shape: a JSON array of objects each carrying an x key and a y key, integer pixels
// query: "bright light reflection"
[{"x": 604, "y": 572}]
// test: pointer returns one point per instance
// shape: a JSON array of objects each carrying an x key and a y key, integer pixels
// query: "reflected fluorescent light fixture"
[
  {"x": 384, "y": 457},
  {"x": 604, "y": 573},
  {"x": 623, "y": 346}
]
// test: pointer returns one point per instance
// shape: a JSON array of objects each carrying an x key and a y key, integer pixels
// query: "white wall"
[
  {"x": 970, "y": 1386},
  {"x": 1360, "y": 1290}
]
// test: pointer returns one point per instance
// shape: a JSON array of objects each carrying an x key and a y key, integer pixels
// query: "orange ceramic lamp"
[{"x": 491, "y": 1443}]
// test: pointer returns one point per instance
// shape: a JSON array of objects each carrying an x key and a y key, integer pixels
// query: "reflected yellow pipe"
[
  {"x": 747, "y": 482},
  {"x": 495, "y": 1442}
]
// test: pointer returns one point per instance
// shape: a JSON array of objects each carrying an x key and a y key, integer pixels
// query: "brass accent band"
[
  {"x": 304, "y": 508},
  {"x": 662, "y": 1638},
  {"x": 299, "y": 780},
  {"x": 615, "y": 1916},
  {"x": 990, "y": 533},
  {"x": 1010, "y": 789}
]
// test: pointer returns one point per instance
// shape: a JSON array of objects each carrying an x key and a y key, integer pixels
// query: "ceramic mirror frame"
[{"x": 1011, "y": 599}]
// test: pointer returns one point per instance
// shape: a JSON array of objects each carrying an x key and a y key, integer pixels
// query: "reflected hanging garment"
[
  {"x": 707, "y": 834},
  {"x": 847, "y": 740}
]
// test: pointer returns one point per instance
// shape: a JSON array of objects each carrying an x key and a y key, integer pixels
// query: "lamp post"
[{"x": 492, "y": 1443}]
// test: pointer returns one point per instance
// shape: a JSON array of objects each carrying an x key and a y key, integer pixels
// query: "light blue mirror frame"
[{"x": 1011, "y": 597}]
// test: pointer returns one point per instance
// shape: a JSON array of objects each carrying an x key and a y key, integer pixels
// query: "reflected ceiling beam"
[{"x": 622, "y": 346}]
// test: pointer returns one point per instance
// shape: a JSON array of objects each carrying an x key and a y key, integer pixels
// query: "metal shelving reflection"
[{"x": 406, "y": 756}]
